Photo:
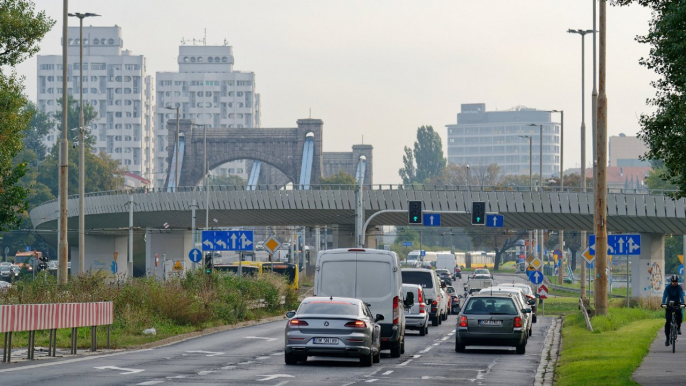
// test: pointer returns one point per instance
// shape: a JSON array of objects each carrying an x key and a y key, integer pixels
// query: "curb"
[{"x": 551, "y": 350}]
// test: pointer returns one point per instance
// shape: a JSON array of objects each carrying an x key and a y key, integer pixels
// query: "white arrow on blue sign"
[
  {"x": 536, "y": 277},
  {"x": 495, "y": 220},
  {"x": 681, "y": 269},
  {"x": 227, "y": 241},
  {"x": 432, "y": 220},
  {"x": 619, "y": 244},
  {"x": 195, "y": 255}
]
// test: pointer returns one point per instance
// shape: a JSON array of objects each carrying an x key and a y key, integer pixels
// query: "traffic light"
[
  {"x": 414, "y": 213},
  {"x": 208, "y": 263},
  {"x": 478, "y": 213}
]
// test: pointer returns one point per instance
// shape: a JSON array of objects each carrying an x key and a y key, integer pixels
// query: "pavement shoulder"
[
  {"x": 545, "y": 373},
  {"x": 661, "y": 366}
]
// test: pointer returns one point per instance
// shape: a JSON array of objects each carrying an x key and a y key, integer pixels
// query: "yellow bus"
[{"x": 256, "y": 268}]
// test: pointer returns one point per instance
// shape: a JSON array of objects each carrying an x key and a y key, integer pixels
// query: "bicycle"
[{"x": 673, "y": 324}]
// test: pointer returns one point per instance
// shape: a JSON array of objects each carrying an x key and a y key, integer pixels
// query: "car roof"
[
  {"x": 413, "y": 286},
  {"x": 489, "y": 295},
  {"x": 332, "y": 299},
  {"x": 417, "y": 270}
]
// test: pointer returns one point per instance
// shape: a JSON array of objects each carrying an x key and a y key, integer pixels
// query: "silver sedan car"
[
  {"x": 338, "y": 327},
  {"x": 492, "y": 320}
]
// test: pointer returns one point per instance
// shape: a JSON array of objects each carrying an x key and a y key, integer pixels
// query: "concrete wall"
[
  {"x": 100, "y": 252},
  {"x": 169, "y": 246},
  {"x": 647, "y": 270}
]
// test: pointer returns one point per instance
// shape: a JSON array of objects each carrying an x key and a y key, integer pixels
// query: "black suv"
[{"x": 444, "y": 275}]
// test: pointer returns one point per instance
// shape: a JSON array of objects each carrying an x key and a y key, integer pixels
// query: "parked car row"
[{"x": 364, "y": 302}]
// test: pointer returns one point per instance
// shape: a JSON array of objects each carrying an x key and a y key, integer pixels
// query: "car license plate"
[
  {"x": 325, "y": 340},
  {"x": 496, "y": 323}
]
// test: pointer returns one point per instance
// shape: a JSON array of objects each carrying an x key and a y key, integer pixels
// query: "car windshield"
[
  {"x": 481, "y": 271},
  {"x": 490, "y": 306},
  {"x": 420, "y": 278},
  {"x": 328, "y": 307},
  {"x": 482, "y": 276}
]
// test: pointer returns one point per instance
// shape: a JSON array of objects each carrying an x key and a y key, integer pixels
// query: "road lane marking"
[
  {"x": 387, "y": 372},
  {"x": 126, "y": 371},
  {"x": 260, "y": 337},
  {"x": 406, "y": 362},
  {"x": 209, "y": 353},
  {"x": 88, "y": 358},
  {"x": 444, "y": 339},
  {"x": 426, "y": 350},
  {"x": 371, "y": 380},
  {"x": 416, "y": 356},
  {"x": 205, "y": 372},
  {"x": 149, "y": 383},
  {"x": 274, "y": 376},
  {"x": 278, "y": 353},
  {"x": 436, "y": 344},
  {"x": 262, "y": 358},
  {"x": 246, "y": 362}
]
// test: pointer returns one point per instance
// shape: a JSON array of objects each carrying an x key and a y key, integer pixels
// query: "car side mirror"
[
  {"x": 379, "y": 318},
  {"x": 531, "y": 302},
  {"x": 409, "y": 300},
  {"x": 460, "y": 296},
  {"x": 290, "y": 314},
  {"x": 526, "y": 310}
]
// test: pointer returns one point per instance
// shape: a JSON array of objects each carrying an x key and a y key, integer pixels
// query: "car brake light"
[
  {"x": 356, "y": 324},
  {"x": 517, "y": 321},
  {"x": 530, "y": 296},
  {"x": 396, "y": 310},
  {"x": 298, "y": 322},
  {"x": 422, "y": 306},
  {"x": 356, "y": 250},
  {"x": 434, "y": 303},
  {"x": 463, "y": 321}
]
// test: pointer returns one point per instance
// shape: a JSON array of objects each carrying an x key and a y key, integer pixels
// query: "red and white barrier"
[{"x": 35, "y": 317}]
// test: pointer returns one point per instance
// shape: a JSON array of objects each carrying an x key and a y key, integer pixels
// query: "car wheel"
[
  {"x": 534, "y": 318},
  {"x": 402, "y": 346},
  {"x": 531, "y": 331},
  {"x": 367, "y": 360},
  {"x": 395, "y": 352},
  {"x": 440, "y": 319},
  {"x": 423, "y": 330},
  {"x": 377, "y": 356},
  {"x": 459, "y": 347},
  {"x": 434, "y": 320},
  {"x": 291, "y": 358},
  {"x": 521, "y": 349}
]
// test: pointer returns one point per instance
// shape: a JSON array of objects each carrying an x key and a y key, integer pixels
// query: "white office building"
[
  {"x": 483, "y": 137},
  {"x": 207, "y": 91},
  {"x": 115, "y": 83}
]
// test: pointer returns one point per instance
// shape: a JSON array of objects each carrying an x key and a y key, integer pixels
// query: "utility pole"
[
  {"x": 63, "y": 247},
  {"x": 600, "y": 212}
]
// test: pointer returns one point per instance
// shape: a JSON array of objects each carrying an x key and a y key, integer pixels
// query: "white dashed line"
[
  {"x": 426, "y": 350},
  {"x": 261, "y": 358},
  {"x": 149, "y": 383},
  {"x": 387, "y": 372},
  {"x": 206, "y": 372},
  {"x": 405, "y": 363},
  {"x": 446, "y": 338},
  {"x": 416, "y": 356},
  {"x": 371, "y": 380},
  {"x": 436, "y": 344}
]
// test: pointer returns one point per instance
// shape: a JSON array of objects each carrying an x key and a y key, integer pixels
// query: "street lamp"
[
  {"x": 562, "y": 143},
  {"x": 583, "y": 104},
  {"x": 82, "y": 218},
  {"x": 531, "y": 179},
  {"x": 540, "y": 145},
  {"x": 176, "y": 164}
]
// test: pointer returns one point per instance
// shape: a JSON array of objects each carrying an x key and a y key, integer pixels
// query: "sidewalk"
[{"x": 660, "y": 366}]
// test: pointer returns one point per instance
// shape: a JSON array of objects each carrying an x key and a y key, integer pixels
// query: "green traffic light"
[
  {"x": 415, "y": 218},
  {"x": 478, "y": 219}
]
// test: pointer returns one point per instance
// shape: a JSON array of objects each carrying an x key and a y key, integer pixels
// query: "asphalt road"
[{"x": 254, "y": 356}]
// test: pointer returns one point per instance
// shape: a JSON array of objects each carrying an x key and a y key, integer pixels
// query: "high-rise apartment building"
[
  {"x": 483, "y": 137},
  {"x": 625, "y": 151},
  {"x": 207, "y": 91},
  {"x": 115, "y": 83}
]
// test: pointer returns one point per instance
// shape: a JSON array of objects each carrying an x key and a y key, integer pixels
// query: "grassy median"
[
  {"x": 193, "y": 303},
  {"x": 611, "y": 353}
]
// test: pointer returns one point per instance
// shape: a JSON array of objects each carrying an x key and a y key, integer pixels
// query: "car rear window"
[
  {"x": 420, "y": 278},
  {"x": 490, "y": 306},
  {"x": 328, "y": 308}
]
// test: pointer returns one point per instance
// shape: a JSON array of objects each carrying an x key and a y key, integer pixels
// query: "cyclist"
[{"x": 675, "y": 293}]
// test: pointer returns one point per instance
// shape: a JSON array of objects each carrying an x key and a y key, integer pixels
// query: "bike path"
[{"x": 661, "y": 366}]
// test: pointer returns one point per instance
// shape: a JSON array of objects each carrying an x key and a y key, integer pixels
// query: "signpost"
[
  {"x": 195, "y": 255},
  {"x": 557, "y": 255},
  {"x": 407, "y": 243},
  {"x": 536, "y": 277},
  {"x": 495, "y": 220},
  {"x": 536, "y": 263},
  {"x": 432, "y": 220},
  {"x": 542, "y": 292},
  {"x": 227, "y": 241},
  {"x": 619, "y": 244}
]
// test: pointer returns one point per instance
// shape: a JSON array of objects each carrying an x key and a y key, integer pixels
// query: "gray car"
[
  {"x": 492, "y": 320},
  {"x": 416, "y": 313},
  {"x": 334, "y": 326}
]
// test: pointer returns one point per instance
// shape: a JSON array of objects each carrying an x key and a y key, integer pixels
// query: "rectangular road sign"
[
  {"x": 495, "y": 220},
  {"x": 227, "y": 241},
  {"x": 619, "y": 244},
  {"x": 432, "y": 220},
  {"x": 407, "y": 243}
]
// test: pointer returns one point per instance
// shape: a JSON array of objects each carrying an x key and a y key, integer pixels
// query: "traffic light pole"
[{"x": 366, "y": 223}]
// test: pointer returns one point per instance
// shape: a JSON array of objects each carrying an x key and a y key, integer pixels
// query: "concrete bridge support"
[
  {"x": 106, "y": 254},
  {"x": 648, "y": 269}
]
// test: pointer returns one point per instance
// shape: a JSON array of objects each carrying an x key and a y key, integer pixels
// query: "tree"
[
  {"x": 664, "y": 131},
  {"x": 426, "y": 160},
  {"x": 659, "y": 179},
  {"x": 496, "y": 240},
  {"x": 339, "y": 179},
  {"x": 73, "y": 119},
  {"x": 20, "y": 31},
  {"x": 472, "y": 175},
  {"x": 39, "y": 127}
]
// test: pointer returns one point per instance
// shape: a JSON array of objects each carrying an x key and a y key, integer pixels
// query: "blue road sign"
[
  {"x": 432, "y": 220},
  {"x": 618, "y": 244},
  {"x": 195, "y": 255},
  {"x": 590, "y": 266},
  {"x": 422, "y": 253},
  {"x": 227, "y": 241},
  {"x": 495, "y": 220},
  {"x": 113, "y": 267},
  {"x": 407, "y": 243},
  {"x": 536, "y": 277},
  {"x": 681, "y": 269}
]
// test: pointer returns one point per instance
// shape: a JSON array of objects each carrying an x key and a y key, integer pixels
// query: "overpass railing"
[{"x": 415, "y": 187}]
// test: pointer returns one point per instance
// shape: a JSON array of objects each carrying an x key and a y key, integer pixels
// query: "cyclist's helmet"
[{"x": 675, "y": 279}]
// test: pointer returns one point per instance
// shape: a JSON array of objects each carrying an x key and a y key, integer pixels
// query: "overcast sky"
[{"x": 380, "y": 69}]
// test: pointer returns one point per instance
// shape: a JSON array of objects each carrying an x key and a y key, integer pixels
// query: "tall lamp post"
[
  {"x": 540, "y": 183},
  {"x": 531, "y": 181},
  {"x": 176, "y": 164},
  {"x": 560, "y": 277},
  {"x": 583, "y": 146},
  {"x": 82, "y": 220}
]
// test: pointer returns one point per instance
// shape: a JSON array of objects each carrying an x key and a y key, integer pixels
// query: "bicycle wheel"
[{"x": 673, "y": 334}]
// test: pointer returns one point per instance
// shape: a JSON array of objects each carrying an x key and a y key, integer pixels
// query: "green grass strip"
[{"x": 610, "y": 354}]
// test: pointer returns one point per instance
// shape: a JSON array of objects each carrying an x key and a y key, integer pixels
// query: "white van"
[
  {"x": 446, "y": 260},
  {"x": 373, "y": 276}
]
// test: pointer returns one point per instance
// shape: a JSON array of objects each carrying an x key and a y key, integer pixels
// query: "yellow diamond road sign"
[
  {"x": 536, "y": 263},
  {"x": 271, "y": 245},
  {"x": 530, "y": 258},
  {"x": 587, "y": 256}
]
